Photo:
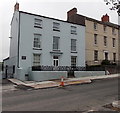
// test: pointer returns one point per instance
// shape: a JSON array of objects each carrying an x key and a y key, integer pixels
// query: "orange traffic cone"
[{"x": 62, "y": 82}]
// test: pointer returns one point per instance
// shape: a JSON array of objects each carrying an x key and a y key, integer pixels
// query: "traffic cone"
[{"x": 62, "y": 82}]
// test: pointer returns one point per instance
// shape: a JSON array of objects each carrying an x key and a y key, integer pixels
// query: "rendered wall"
[
  {"x": 48, "y": 75},
  {"x": 88, "y": 73}
]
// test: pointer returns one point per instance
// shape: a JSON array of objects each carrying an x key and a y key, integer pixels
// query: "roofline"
[
  {"x": 100, "y": 22},
  {"x": 6, "y": 59},
  {"x": 105, "y": 23},
  {"x": 49, "y": 18}
]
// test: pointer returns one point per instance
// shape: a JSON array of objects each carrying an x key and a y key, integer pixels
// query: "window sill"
[
  {"x": 37, "y": 49},
  {"x": 96, "y": 45},
  {"x": 73, "y": 51},
  {"x": 96, "y": 61},
  {"x": 74, "y": 33},
  {"x": 95, "y": 29},
  {"x": 56, "y": 30},
  {"x": 38, "y": 27}
]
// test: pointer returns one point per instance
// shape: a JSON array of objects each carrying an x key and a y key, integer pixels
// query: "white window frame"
[
  {"x": 36, "y": 61},
  {"x": 56, "y": 61},
  {"x": 56, "y": 26},
  {"x": 73, "y": 45},
  {"x": 37, "y": 23},
  {"x": 56, "y": 43},
  {"x": 73, "y": 60},
  {"x": 74, "y": 30},
  {"x": 37, "y": 41}
]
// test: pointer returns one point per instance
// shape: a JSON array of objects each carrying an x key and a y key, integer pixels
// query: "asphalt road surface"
[{"x": 83, "y": 97}]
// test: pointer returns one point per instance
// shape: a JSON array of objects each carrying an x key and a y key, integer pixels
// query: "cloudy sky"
[{"x": 50, "y": 8}]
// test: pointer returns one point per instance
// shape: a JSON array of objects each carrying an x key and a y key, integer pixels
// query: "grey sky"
[{"x": 50, "y": 8}]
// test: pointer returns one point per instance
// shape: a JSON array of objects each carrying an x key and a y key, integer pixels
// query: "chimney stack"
[
  {"x": 71, "y": 12},
  {"x": 105, "y": 18},
  {"x": 16, "y": 7}
]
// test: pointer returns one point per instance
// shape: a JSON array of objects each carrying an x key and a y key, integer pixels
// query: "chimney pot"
[
  {"x": 105, "y": 18},
  {"x": 16, "y": 7}
]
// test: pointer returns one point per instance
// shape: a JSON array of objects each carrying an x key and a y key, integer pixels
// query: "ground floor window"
[
  {"x": 114, "y": 57},
  {"x": 13, "y": 69},
  {"x": 36, "y": 59},
  {"x": 55, "y": 61},
  {"x": 106, "y": 55},
  {"x": 95, "y": 55},
  {"x": 73, "y": 60}
]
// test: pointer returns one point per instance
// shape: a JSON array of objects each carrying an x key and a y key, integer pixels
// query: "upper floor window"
[
  {"x": 105, "y": 41},
  {"x": 95, "y": 38},
  {"x": 56, "y": 26},
  {"x": 105, "y": 28},
  {"x": 74, "y": 30},
  {"x": 73, "y": 45},
  {"x": 113, "y": 42},
  {"x": 37, "y": 41},
  {"x": 113, "y": 31},
  {"x": 37, "y": 23},
  {"x": 56, "y": 43},
  {"x": 95, "y": 26}
]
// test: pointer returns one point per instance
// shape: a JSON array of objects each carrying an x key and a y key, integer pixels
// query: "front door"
[{"x": 55, "y": 61}]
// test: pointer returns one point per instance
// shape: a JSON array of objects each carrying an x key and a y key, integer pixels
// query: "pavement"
[{"x": 56, "y": 83}]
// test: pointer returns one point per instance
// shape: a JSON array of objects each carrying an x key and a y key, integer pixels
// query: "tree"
[{"x": 115, "y": 5}]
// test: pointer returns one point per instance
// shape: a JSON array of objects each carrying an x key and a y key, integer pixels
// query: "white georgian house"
[{"x": 39, "y": 40}]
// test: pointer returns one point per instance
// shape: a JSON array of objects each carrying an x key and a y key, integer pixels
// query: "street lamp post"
[{"x": 115, "y": 5}]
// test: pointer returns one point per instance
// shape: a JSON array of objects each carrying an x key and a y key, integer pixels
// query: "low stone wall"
[
  {"x": 46, "y": 75},
  {"x": 49, "y": 75},
  {"x": 88, "y": 73}
]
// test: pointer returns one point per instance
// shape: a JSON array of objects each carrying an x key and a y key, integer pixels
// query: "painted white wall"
[
  {"x": 27, "y": 31},
  {"x": 47, "y": 75}
]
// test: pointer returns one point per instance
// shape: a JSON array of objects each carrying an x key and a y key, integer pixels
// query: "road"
[{"x": 82, "y": 97}]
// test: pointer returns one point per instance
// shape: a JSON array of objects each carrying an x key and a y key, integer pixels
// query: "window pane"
[
  {"x": 38, "y": 23},
  {"x": 106, "y": 56},
  {"x": 36, "y": 59},
  {"x": 73, "y": 60},
  {"x": 114, "y": 57},
  {"x": 95, "y": 26},
  {"x": 113, "y": 42},
  {"x": 95, "y": 55},
  {"x": 37, "y": 42},
  {"x": 55, "y": 43},
  {"x": 56, "y": 26},
  {"x": 105, "y": 41},
  {"x": 73, "y": 30},
  {"x": 95, "y": 38},
  {"x": 73, "y": 44}
]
